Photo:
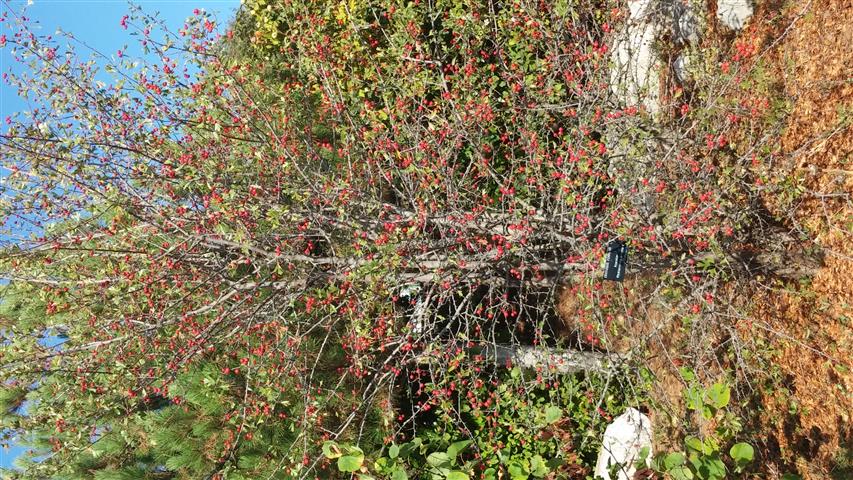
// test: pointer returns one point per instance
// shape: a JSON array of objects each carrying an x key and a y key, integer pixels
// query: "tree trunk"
[{"x": 552, "y": 359}]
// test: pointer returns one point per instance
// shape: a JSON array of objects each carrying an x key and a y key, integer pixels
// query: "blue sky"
[{"x": 96, "y": 23}]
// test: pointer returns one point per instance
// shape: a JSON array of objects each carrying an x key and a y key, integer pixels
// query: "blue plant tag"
[{"x": 617, "y": 259}]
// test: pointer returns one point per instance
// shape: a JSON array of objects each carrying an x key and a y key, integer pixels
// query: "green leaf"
[
  {"x": 694, "y": 445},
  {"x": 719, "y": 395},
  {"x": 642, "y": 458},
  {"x": 675, "y": 459},
  {"x": 694, "y": 398},
  {"x": 710, "y": 467},
  {"x": 538, "y": 467},
  {"x": 354, "y": 451},
  {"x": 415, "y": 445},
  {"x": 331, "y": 449},
  {"x": 680, "y": 473},
  {"x": 742, "y": 453},
  {"x": 517, "y": 471},
  {"x": 393, "y": 451},
  {"x": 553, "y": 413},
  {"x": 438, "y": 459},
  {"x": 457, "y": 475},
  {"x": 381, "y": 464},
  {"x": 350, "y": 463},
  {"x": 399, "y": 475},
  {"x": 457, "y": 447}
]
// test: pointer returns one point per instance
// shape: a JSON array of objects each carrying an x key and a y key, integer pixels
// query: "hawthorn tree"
[{"x": 247, "y": 246}]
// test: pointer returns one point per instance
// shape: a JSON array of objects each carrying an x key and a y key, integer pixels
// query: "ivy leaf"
[{"x": 393, "y": 451}]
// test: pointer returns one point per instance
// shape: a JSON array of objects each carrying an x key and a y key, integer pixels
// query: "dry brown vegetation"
[
  {"x": 796, "y": 378},
  {"x": 812, "y": 326}
]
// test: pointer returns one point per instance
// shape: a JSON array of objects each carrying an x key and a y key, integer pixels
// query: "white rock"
[
  {"x": 622, "y": 443},
  {"x": 680, "y": 68},
  {"x": 640, "y": 9},
  {"x": 734, "y": 13},
  {"x": 635, "y": 69},
  {"x": 686, "y": 22},
  {"x": 419, "y": 315}
]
